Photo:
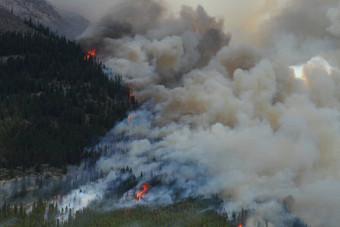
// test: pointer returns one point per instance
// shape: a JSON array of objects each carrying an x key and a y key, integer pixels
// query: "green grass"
[
  {"x": 191, "y": 212},
  {"x": 187, "y": 213}
]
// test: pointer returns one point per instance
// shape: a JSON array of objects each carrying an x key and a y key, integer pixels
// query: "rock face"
[
  {"x": 10, "y": 22},
  {"x": 64, "y": 23}
]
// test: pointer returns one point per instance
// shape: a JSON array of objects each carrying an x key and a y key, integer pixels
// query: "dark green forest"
[
  {"x": 54, "y": 100},
  {"x": 186, "y": 213},
  {"x": 190, "y": 212}
]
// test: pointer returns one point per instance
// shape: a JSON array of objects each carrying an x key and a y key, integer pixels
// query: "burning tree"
[
  {"x": 89, "y": 54},
  {"x": 140, "y": 194}
]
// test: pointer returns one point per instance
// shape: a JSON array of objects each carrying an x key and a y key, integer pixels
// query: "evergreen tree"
[{"x": 54, "y": 102}]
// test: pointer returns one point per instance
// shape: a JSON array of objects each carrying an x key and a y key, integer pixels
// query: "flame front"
[
  {"x": 130, "y": 93},
  {"x": 90, "y": 53},
  {"x": 140, "y": 194}
]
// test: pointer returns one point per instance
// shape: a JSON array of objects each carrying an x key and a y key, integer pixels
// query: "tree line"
[{"x": 47, "y": 213}]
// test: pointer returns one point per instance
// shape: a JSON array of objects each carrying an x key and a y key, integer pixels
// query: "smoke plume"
[{"x": 225, "y": 117}]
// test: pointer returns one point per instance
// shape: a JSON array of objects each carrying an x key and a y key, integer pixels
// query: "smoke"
[
  {"x": 333, "y": 16},
  {"x": 224, "y": 117}
]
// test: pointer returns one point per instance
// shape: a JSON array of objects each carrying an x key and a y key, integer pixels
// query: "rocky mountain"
[
  {"x": 10, "y": 22},
  {"x": 64, "y": 23}
]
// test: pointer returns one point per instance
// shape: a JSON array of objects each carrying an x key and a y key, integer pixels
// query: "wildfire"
[
  {"x": 90, "y": 53},
  {"x": 57, "y": 196},
  {"x": 131, "y": 115},
  {"x": 140, "y": 194},
  {"x": 130, "y": 93},
  {"x": 240, "y": 224}
]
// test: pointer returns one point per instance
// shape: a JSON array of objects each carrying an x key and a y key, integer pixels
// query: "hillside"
[
  {"x": 64, "y": 23},
  {"x": 10, "y": 22},
  {"x": 54, "y": 100},
  {"x": 192, "y": 212}
]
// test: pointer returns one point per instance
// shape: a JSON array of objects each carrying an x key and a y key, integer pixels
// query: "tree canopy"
[{"x": 54, "y": 101}]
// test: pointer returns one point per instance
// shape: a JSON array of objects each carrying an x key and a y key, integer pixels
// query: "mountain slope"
[
  {"x": 63, "y": 23},
  {"x": 10, "y": 22},
  {"x": 54, "y": 100}
]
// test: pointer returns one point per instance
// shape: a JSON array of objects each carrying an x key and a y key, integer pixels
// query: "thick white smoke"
[{"x": 227, "y": 118}]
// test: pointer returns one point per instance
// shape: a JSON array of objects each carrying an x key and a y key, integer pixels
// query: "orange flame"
[
  {"x": 90, "y": 53},
  {"x": 130, "y": 93},
  {"x": 56, "y": 196},
  {"x": 240, "y": 224},
  {"x": 131, "y": 115},
  {"x": 140, "y": 194}
]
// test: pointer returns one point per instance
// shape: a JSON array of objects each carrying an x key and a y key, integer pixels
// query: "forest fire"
[
  {"x": 57, "y": 197},
  {"x": 240, "y": 224},
  {"x": 131, "y": 115},
  {"x": 140, "y": 194},
  {"x": 90, "y": 53},
  {"x": 130, "y": 93}
]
